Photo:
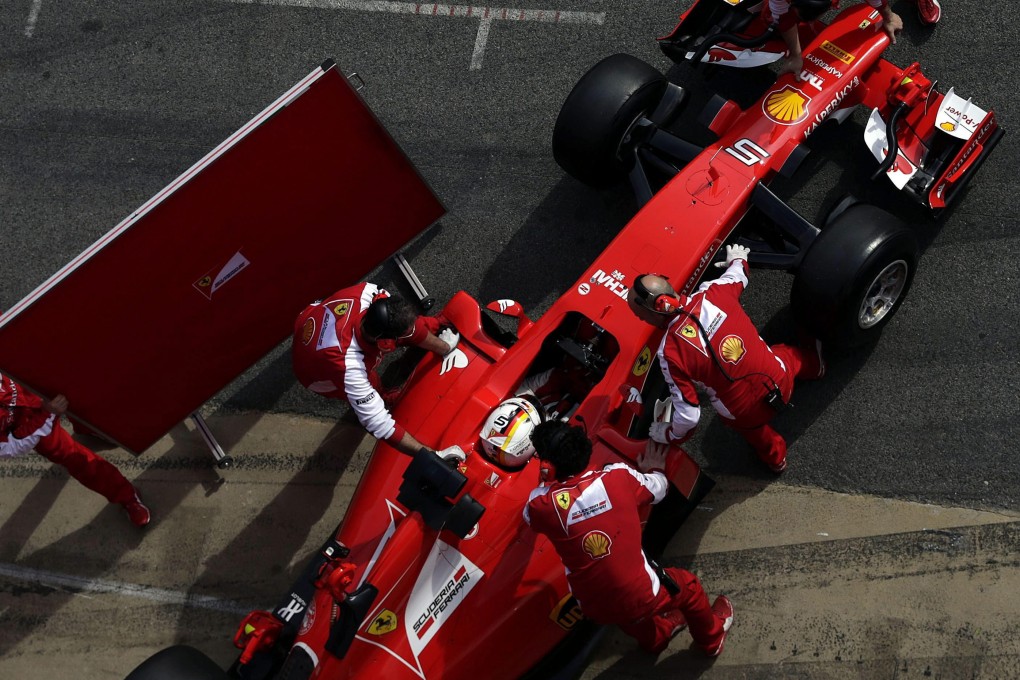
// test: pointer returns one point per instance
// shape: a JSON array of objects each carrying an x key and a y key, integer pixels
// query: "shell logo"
[
  {"x": 786, "y": 106},
  {"x": 307, "y": 331},
  {"x": 948, "y": 126},
  {"x": 563, "y": 499},
  {"x": 732, "y": 349},
  {"x": 596, "y": 544},
  {"x": 689, "y": 331},
  {"x": 384, "y": 623}
]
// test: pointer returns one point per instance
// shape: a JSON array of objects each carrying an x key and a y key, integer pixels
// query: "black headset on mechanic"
[{"x": 668, "y": 304}]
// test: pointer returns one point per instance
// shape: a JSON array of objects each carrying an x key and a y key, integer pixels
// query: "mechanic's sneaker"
[
  {"x": 137, "y": 511},
  {"x": 724, "y": 611},
  {"x": 677, "y": 620},
  {"x": 929, "y": 11},
  {"x": 777, "y": 467}
]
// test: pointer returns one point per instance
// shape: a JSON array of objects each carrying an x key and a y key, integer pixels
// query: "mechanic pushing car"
[
  {"x": 338, "y": 344},
  {"x": 784, "y": 15},
  {"x": 711, "y": 343},
  {"x": 28, "y": 422},
  {"x": 593, "y": 519}
]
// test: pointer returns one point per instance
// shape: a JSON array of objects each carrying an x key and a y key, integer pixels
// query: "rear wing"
[{"x": 208, "y": 275}]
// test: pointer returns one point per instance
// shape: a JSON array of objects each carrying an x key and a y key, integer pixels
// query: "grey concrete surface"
[{"x": 103, "y": 103}]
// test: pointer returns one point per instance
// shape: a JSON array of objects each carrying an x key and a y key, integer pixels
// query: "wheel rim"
[{"x": 883, "y": 293}]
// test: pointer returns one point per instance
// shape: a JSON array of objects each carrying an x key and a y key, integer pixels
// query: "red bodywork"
[{"x": 494, "y": 603}]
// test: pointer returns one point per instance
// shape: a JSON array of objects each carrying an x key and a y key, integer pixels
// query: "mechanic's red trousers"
[
  {"x": 88, "y": 467},
  {"x": 654, "y": 631},
  {"x": 753, "y": 424}
]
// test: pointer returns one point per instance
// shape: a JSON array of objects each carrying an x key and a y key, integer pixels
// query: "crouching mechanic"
[
  {"x": 28, "y": 422},
  {"x": 339, "y": 342},
  {"x": 593, "y": 519},
  {"x": 711, "y": 343}
]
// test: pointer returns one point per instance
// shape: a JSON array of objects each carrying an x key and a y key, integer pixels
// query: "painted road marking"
[
  {"x": 484, "y": 15},
  {"x": 33, "y": 16},
  {"x": 91, "y": 585}
]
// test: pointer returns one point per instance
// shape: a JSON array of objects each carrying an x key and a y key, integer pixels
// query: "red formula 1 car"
[
  {"x": 851, "y": 275},
  {"x": 432, "y": 573}
]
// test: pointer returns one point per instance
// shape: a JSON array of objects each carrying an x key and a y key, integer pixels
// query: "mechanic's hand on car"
[
  {"x": 892, "y": 24},
  {"x": 653, "y": 458},
  {"x": 660, "y": 432},
  {"x": 792, "y": 64},
  {"x": 57, "y": 405},
  {"x": 452, "y": 454},
  {"x": 450, "y": 337},
  {"x": 734, "y": 252}
]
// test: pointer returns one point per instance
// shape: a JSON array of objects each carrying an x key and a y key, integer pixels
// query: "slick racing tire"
[
  {"x": 854, "y": 276},
  {"x": 589, "y": 139},
  {"x": 178, "y": 663}
]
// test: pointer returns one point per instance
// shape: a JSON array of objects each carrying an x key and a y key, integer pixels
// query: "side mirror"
[
  {"x": 508, "y": 307},
  {"x": 632, "y": 401}
]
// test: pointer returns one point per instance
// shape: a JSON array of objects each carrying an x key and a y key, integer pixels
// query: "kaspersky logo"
[{"x": 786, "y": 106}]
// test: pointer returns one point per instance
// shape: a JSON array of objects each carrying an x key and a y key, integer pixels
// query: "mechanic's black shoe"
[
  {"x": 723, "y": 609},
  {"x": 137, "y": 511}
]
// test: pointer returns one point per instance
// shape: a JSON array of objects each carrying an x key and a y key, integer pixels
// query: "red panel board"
[{"x": 206, "y": 277}]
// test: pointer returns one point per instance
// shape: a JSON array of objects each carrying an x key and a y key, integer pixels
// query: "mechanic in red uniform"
[
  {"x": 592, "y": 518},
  {"x": 339, "y": 342},
  {"x": 28, "y": 422},
  {"x": 711, "y": 343},
  {"x": 782, "y": 13}
]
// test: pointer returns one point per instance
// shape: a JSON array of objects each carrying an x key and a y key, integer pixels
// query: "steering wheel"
[{"x": 584, "y": 354}]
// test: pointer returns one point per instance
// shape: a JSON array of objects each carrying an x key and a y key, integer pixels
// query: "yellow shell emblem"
[
  {"x": 689, "y": 331},
  {"x": 341, "y": 308},
  {"x": 787, "y": 106},
  {"x": 384, "y": 623},
  {"x": 644, "y": 361},
  {"x": 596, "y": 544},
  {"x": 307, "y": 331},
  {"x": 563, "y": 499},
  {"x": 948, "y": 126},
  {"x": 732, "y": 349}
]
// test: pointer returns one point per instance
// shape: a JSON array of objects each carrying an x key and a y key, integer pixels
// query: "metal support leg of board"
[{"x": 222, "y": 459}]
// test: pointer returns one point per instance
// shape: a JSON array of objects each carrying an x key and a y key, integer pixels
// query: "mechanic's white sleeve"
[
  {"x": 685, "y": 413},
  {"x": 15, "y": 447},
  {"x": 655, "y": 482},
  {"x": 778, "y": 8},
  {"x": 365, "y": 400},
  {"x": 533, "y": 383},
  {"x": 735, "y": 273}
]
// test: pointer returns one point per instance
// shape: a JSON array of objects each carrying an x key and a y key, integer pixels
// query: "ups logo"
[{"x": 567, "y": 612}]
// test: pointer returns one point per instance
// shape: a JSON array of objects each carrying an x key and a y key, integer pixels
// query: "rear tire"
[
  {"x": 178, "y": 663},
  {"x": 589, "y": 139},
  {"x": 855, "y": 276}
]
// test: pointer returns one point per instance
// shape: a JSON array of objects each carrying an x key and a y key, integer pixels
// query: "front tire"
[
  {"x": 178, "y": 663},
  {"x": 854, "y": 277},
  {"x": 589, "y": 139}
]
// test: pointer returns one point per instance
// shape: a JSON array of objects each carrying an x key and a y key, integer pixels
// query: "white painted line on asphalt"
[
  {"x": 485, "y": 15},
  {"x": 33, "y": 16},
  {"x": 91, "y": 585}
]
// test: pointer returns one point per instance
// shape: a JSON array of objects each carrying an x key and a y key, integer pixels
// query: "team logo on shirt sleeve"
[
  {"x": 563, "y": 499},
  {"x": 307, "y": 331},
  {"x": 342, "y": 308}
]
